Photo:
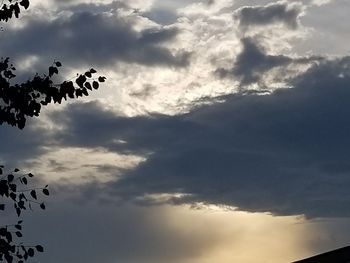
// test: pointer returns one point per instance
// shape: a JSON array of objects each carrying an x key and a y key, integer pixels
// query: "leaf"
[
  {"x": 95, "y": 85},
  {"x": 33, "y": 194},
  {"x": 4, "y": 188},
  {"x": 24, "y": 180},
  {"x": 58, "y": 64},
  {"x": 30, "y": 175},
  {"x": 18, "y": 211},
  {"x": 101, "y": 79},
  {"x": 8, "y": 236},
  {"x": 80, "y": 81},
  {"x": 46, "y": 191},
  {"x": 2, "y": 207},
  {"x": 13, "y": 196},
  {"x": 19, "y": 227},
  {"x": 88, "y": 74},
  {"x": 88, "y": 85},
  {"x": 39, "y": 248},
  {"x": 3, "y": 231},
  {"x": 16, "y": 10},
  {"x": 10, "y": 178},
  {"x": 19, "y": 234},
  {"x": 31, "y": 252},
  {"x": 21, "y": 204},
  {"x": 85, "y": 92},
  {"x": 42, "y": 206},
  {"x": 24, "y": 3},
  {"x": 52, "y": 71}
]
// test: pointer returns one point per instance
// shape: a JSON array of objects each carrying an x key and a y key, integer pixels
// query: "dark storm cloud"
[
  {"x": 280, "y": 12},
  {"x": 93, "y": 38},
  {"x": 286, "y": 153},
  {"x": 19, "y": 145},
  {"x": 253, "y": 62}
]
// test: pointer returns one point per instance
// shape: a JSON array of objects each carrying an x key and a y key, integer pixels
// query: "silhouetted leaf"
[
  {"x": 13, "y": 196},
  {"x": 16, "y": 10},
  {"x": 52, "y": 71},
  {"x": 39, "y": 248},
  {"x": 88, "y": 74},
  {"x": 33, "y": 194},
  {"x": 101, "y": 79},
  {"x": 31, "y": 252},
  {"x": 24, "y": 180},
  {"x": 88, "y": 85},
  {"x": 95, "y": 85},
  {"x": 18, "y": 211},
  {"x": 8, "y": 236},
  {"x": 46, "y": 191},
  {"x": 24, "y": 3},
  {"x": 10, "y": 178},
  {"x": 80, "y": 81}
]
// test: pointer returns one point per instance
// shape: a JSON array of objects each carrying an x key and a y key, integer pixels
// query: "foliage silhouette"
[
  {"x": 24, "y": 100},
  {"x": 22, "y": 199},
  {"x": 17, "y": 103}
]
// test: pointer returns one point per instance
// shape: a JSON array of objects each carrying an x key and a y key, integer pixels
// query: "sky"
[{"x": 220, "y": 134}]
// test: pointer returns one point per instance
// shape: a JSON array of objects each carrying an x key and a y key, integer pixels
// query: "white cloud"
[
  {"x": 79, "y": 166},
  {"x": 320, "y": 2}
]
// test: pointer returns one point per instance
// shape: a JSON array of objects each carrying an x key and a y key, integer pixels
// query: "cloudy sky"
[{"x": 220, "y": 135}]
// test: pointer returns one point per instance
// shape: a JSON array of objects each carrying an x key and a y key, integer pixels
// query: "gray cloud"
[
  {"x": 147, "y": 91},
  {"x": 280, "y": 12},
  {"x": 19, "y": 145},
  {"x": 86, "y": 37},
  {"x": 253, "y": 62},
  {"x": 285, "y": 153}
]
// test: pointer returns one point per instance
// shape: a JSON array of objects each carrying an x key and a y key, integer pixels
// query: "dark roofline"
[{"x": 341, "y": 255}]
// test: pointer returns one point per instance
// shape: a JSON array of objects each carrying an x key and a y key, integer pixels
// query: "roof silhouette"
[{"x": 341, "y": 255}]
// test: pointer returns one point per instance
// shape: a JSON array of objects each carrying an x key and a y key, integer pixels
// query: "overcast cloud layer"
[
  {"x": 239, "y": 104},
  {"x": 284, "y": 153}
]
